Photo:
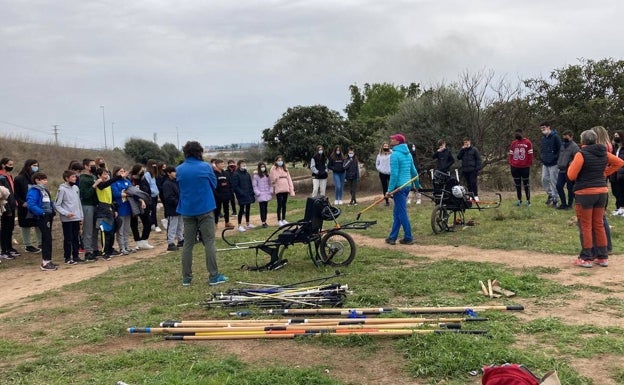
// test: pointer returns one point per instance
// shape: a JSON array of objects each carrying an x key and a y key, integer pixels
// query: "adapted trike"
[
  {"x": 331, "y": 246},
  {"x": 451, "y": 202}
]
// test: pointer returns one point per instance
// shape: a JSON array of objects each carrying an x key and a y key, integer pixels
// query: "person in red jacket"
[{"x": 520, "y": 160}]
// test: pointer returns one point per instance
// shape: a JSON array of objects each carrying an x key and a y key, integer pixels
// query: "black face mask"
[
  {"x": 518, "y": 137},
  {"x": 8, "y": 168},
  {"x": 72, "y": 183},
  {"x": 566, "y": 140},
  {"x": 102, "y": 165},
  {"x": 386, "y": 149},
  {"x": 617, "y": 140},
  {"x": 93, "y": 169}
]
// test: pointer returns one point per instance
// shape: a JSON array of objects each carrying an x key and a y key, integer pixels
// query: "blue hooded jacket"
[{"x": 402, "y": 167}]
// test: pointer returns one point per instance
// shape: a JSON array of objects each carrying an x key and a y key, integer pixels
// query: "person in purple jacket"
[{"x": 263, "y": 190}]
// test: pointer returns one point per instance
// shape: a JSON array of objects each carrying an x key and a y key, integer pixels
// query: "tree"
[
  {"x": 581, "y": 96},
  {"x": 141, "y": 150},
  {"x": 172, "y": 154},
  {"x": 300, "y": 129}
]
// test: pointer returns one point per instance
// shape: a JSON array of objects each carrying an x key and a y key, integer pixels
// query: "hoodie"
[{"x": 68, "y": 201}]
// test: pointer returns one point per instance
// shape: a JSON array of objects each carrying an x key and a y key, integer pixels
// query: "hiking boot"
[
  {"x": 406, "y": 241},
  {"x": 48, "y": 266},
  {"x": 390, "y": 241},
  {"x": 172, "y": 247},
  {"x": 32, "y": 249},
  {"x": 186, "y": 281},
  {"x": 604, "y": 262},
  {"x": 583, "y": 262},
  {"x": 219, "y": 279}
]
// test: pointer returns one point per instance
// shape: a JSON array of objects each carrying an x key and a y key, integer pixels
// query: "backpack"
[{"x": 508, "y": 374}]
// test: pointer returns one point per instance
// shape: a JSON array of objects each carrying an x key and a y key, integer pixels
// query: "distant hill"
[{"x": 53, "y": 159}]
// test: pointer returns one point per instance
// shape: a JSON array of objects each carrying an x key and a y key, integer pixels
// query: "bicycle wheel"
[
  {"x": 439, "y": 219},
  {"x": 337, "y": 248}
]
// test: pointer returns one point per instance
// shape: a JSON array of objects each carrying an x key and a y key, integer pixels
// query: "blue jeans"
[
  {"x": 399, "y": 216},
  {"x": 339, "y": 181}
]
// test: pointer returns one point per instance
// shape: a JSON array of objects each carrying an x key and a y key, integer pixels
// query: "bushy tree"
[
  {"x": 172, "y": 154},
  {"x": 300, "y": 129},
  {"x": 141, "y": 150},
  {"x": 581, "y": 96}
]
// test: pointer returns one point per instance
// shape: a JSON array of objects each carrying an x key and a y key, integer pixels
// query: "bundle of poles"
[
  {"x": 406, "y": 310},
  {"x": 306, "y": 327},
  {"x": 332, "y": 295}
]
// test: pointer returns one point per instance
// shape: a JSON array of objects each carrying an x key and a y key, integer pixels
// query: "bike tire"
[
  {"x": 439, "y": 219},
  {"x": 337, "y": 248}
]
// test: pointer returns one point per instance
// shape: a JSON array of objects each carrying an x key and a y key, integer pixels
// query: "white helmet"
[{"x": 458, "y": 191}]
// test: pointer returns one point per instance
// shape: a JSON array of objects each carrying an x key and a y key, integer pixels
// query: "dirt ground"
[{"x": 20, "y": 282}]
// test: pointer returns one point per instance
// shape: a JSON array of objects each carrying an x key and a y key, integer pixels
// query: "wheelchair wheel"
[
  {"x": 439, "y": 219},
  {"x": 337, "y": 248}
]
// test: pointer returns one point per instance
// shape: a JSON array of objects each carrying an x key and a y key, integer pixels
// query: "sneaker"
[
  {"x": 14, "y": 253},
  {"x": 336, "y": 202},
  {"x": 70, "y": 262},
  {"x": 518, "y": 203},
  {"x": 264, "y": 225},
  {"x": 604, "y": 262},
  {"x": 476, "y": 198},
  {"x": 32, "y": 249},
  {"x": 229, "y": 225},
  {"x": 409, "y": 201},
  {"x": 79, "y": 260},
  {"x": 549, "y": 201},
  {"x": 146, "y": 245},
  {"x": 125, "y": 252},
  {"x": 48, "y": 266},
  {"x": 285, "y": 222},
  {"x": 164, "y": 222},
  {"x": 114, "y": 253},
  {"x": 406, "y": 241},
  {"x": 220, "y": 278},
  {"x": 562, "y": 207},
  {"x": 172, "y": 247},
  {"x": 157, "y": 229},
  {"x": 418, "y": 201},
  {"x": 90, "y": 257},
  {"x": 250, "y": 226},
  {"x": 390, "y": 241},
  {"x": 242, "y": 228},
  {"x": 528, "y": 204},
  {"x": 280, "y": 223},
  {"x": 106, "y": 257},
  {"x": 340, "y": 201},
  {"x": 583, "y": 262},
  {"x": 180, "y": 244},
  {"x": 6, "y": 256},
  {"x": 186, "y": 281}
]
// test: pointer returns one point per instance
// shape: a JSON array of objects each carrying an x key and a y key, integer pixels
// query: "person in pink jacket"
[
  {"x": 263, "y": 190},
  {"x": 283, "y": 186}
]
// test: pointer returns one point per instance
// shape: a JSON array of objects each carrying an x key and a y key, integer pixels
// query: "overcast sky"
[{"x": 222, "y": 71}]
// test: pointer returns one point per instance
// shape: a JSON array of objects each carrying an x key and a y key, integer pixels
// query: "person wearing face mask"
[
  {"x": 617, "y": 178},
  {"x": 551, "y": 145},
  {"x": 283, "y": 187},
  {"x": 568, "y": 149},
  {"x": 223, "y": 193},
  {"x": 231, "y": 169},
  {"x": 242, "y": 185},
  {"x": 352, "y": 174},
  {"x": 262, "y": 190},
  {"x": 89, "y": 201},
  {"x": 382, "y": 163},
  {"x": 67, "y": 204},
  {"x": 336, "y": 164},
  {"x": 7, "y": 220},
  {"x": 41, "y": 207},
  {"x": 318, "y": 165},
  {"x": 22, "y": 182},
  {"x": 520, "y": 161},
  {"x": 124, "y": 211}
]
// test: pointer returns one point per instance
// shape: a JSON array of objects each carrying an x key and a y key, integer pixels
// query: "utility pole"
[
  {"x": 104, "y": 124},
  {"x": 55, "y": 130},
  {"x": 178, "y": 137},
  {"x": 155, "y": 136},
  {"x": 113, "y": 133}
]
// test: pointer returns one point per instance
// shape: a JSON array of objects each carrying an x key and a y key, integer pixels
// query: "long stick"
[
  {"x": 289, "y": 321},
  {"x": 385, "y": 333},
  {"x": 411, "y": 310},
  {"x": 391, "y": 193}
]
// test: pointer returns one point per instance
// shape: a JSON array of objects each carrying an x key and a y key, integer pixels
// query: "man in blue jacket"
[
  {"x": 402, "y": 170},
  {"x": 196, "y": 181},
  {"x": 551, "y": 144}
]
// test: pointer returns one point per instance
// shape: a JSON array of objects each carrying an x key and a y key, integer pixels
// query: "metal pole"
[
  {"x": 113, "y": 133},
  {"x": 55, "y": 134},
  {"x": 104, "y": 124}
]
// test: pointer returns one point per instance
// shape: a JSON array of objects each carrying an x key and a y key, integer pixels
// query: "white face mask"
[
  {"x": 337, "y": 152},
  {"x": 350, "y": 155},
  {"x": 242, "y": 167},
  {"x": 280, "y": 163},
  {"x": 263, "y": 169},
  {"x": 320, "y": 152}
]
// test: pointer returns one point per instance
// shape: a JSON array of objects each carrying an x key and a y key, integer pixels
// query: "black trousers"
[{"x": 7, "y": 225}]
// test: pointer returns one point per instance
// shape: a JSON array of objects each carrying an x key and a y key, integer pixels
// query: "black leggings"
[
  {"x": 521, "y": 177},
  {"x": 263, "y": 211},
  {"x": 385, "y": 179},
  {"x": 243, "y": 210},
  {"x": 225, "y": 206},
  {"x": 281, "y": 198}
]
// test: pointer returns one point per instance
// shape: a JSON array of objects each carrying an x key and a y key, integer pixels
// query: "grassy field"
[{"x": 77, "y": 335}]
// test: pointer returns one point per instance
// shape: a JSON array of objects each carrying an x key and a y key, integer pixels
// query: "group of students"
[
  {"x": 236, "y": 184},
  {"x": 95, "y": 206}
]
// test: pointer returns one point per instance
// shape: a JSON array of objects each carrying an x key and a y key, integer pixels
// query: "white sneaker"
[
  {"x": 418, "y": 201},
  {"x": 250, "y": 226},
  {"x": 147, "y": 245},
  {"x": 409, "y": 201},
  {"x": 476, "y": 198},
  {"x": 340, "y": 202},
  {"x": 336, "y": 202},
  {"x": 280, "y": 223},
  {"x": 157, "y": 229},
  {"x": 284, "y": 222},
  {"x": 139, "y": 245},
  {"x": 164, "y": 223},
  {"x": 242, "y": 228}
]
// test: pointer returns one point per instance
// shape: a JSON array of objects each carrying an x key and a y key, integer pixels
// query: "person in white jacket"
[
  {"x": 68, "y": 205},
  {"x": 382, "y": 163}
]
